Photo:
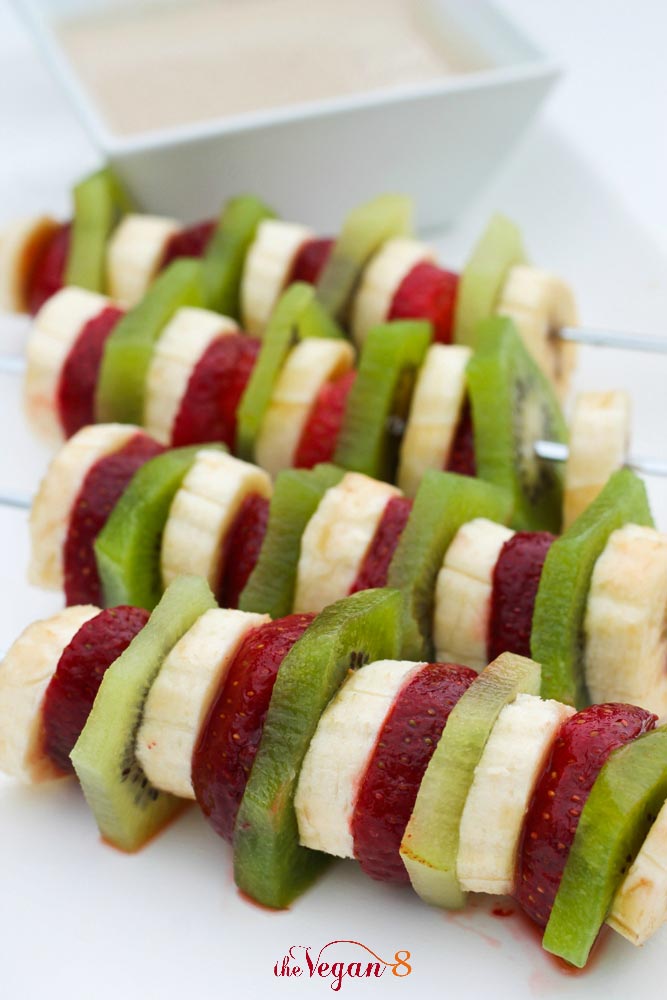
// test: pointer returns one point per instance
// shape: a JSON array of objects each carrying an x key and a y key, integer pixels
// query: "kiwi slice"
[
  {"x": 128, "y": 809},
  {"x": 296, "y": 316},
  {"x": 129, "y": 348},
  {"x": 364, "y": 231},
  {"x": 269, "y": 863},
  {"x": 513, "y": 406},
  {"x": 100, "y": 201},
  {"x": 430, "y": 843},
  {"x": 226, "y": 252},
  {"x": 627, "y": 796},
  {"x": 500, "y": 248},
  {"x": 296, "y": 497},
  {"x": 382, "y": 390},
  {"x": 443, "y": 503},
  {"x": 127, "y": 549},
  {"x": 558, "y": 619}
]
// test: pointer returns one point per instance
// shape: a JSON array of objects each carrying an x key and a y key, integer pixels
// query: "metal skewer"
[
  {"x": 554, "y": 451},
  {"x": 16, "y": 500}
]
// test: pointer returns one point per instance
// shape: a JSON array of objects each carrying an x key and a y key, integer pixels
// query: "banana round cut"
[
  {"x": 57, "y": 494},
  {"x": 599, "y": 438},
  {"x": 640, "y": 905},
  {"x": 136, "y": 250},
  {"x": 435, "y": 411},
  {"x": 337, "y": 538},
  {"x": 498, "y": 800},
  {"x": 625, "y": 640},
  {"x": 25, "y": 674},
  {"x": 339, "y": 753},
  {"x": 463, "y": 593},
  {"x": 182, "y": 343},
  {"x": 55, "y": 330},
  {"x": 21, "y": 245},
  {"x": 182, "y": 694},
  {"x": 267, "y": 269}
]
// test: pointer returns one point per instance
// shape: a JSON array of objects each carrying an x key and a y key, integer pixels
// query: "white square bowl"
[{"x": 438, "y": 141}]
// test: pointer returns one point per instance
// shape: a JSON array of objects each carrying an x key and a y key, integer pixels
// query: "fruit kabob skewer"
[{"x": 306, "y": 738}]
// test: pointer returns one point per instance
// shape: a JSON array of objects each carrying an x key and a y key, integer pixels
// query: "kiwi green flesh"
[
  {"x": 364, "y": 231},
  {"x": 619, "y": 812},
  {"x": 499, "y": 248},
  {"x": 431, "y": 840},
  {"x": 296, "y": 496},
  {"x": 129, "y": 348},
  {"x": 296, "y": 316},
  {"x": 127, "y": 550},
  {"x": 99, "y": 203},
  {"x": 227, "y": 250},
  {"x": 127, "y": 808},
  {"x": 557, "y": 635},
  {"x": 513, "y": 406},
  {"x": 269, "y": 863},
  {"x": 389, "y": 360},
  {"x": 444, "y": 502}
]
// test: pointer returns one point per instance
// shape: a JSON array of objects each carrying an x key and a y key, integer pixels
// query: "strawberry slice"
[
  {"x": 78, "y": 378},
  {"x": 375, "y": 566},
  {"x": 105, "y": 482},
  {"x": 191, "y": 241},
  {"x": 228, "y": 742},
  {"x": 310, "y": 260},
  {"x": 428, "y": 292},
  {"x": 461, "y": 456},
  {"x": 208, "y": 409},
  {"x": 582, "y": 745},
  {"x": 320, "y": 434},
  {"x": 73, "y": 687},
  {"x": 403, "y": 749},
  {"x": 516, "y": 577},
  {"x": 48, "y": 273},
  {"x": 242, "y": 547}
]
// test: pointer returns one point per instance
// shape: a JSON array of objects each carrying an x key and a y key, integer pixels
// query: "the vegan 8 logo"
[{"x": 333, "y": 963}]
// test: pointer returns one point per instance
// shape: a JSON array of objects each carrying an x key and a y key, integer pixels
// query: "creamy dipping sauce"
[{"x": 161, "y": 64}]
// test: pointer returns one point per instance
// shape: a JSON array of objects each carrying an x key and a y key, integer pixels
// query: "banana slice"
[
  {"x": 181, "y": 696},
  {"x": 21, "y": 245},
  {"x": 25, "y": 674},
  {"x": 55, "y": 330},
  {"x": 339, "y": 753},
  {"x": 58, "y": 491},
  {"x": 541, "y": 304},
  {"x": 182, "y": 343},
  {"x": 134, "y": 255},
  {"x": 202, "y": 512},
  {"x": 599, "y": 438},
  {"x": 434, "y": 415},
  {"x": 463, "y": 593},
  {"x": 640, "y": 905},
  {"x": 500, "y": 794},
  {"x": 337, "y": 538},
  {"x": 267, "y": 268},
  {"x": 381, "y": 280},
  {"x": 625, "y": 643},
  {"x": 310, "y": 364}
]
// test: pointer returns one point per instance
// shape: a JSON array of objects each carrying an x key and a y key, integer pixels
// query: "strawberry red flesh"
[
  {"x": 461, "y": 456},
  {"x": 375, "y": 566},
  {"x": 48, "y": 272},
  {"x": 427, "y": 292},
  {"x": 72, "y": 690},
  {"x": 404, "y": 746},
  {"x": 228, "y": 743},
  {"x": 581, "y": 747},
  {"x": 208, "y": 409},
  {"x": 241, "y": 549},
  {"x": 191, "y": 241},
  {"x": 516, "y": 577},
  {"x": 78, "y": 378},
  {"x": 320, "y": 434},
  {"x": 105, "y": 482},
  {"x": 310, "y": 260}
]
